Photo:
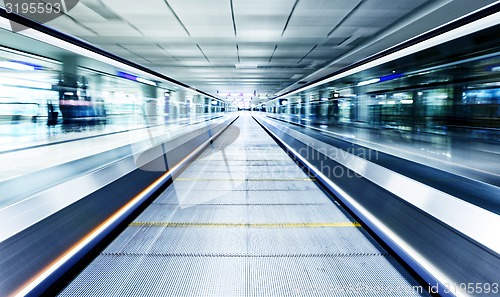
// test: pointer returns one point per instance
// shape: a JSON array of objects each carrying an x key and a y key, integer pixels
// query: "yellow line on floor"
[
  {"x": 244, "y": 179},
  {"x": 241, "y": 225}
]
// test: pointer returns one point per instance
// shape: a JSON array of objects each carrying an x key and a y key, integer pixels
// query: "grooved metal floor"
[{"x": 243, "y": 220}]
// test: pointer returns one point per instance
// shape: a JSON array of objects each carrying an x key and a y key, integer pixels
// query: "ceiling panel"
[
  {"x": 164, "y": 61},
  {"x": 84, "y": 14},
  {"x": 113, "y": 28},
  {"x": 318, "y": 17},
  {"x": 289, "y": 62},
  {"x": 146, "y": 50},
  {"x": 261, "y": 19},
  {"x": 404, "y": 6},
  {"x": 226, "y": 62},
  {"x": 141, "y": 9},
  {"x": 195, "y": 62},
  {"x": 253, "y": 51},
  {"x": 194, "y": 41},
  {"x": 367, "y": 21},
  {"x": 158, "y": 27},
  {"x": 219, "y": 51},
  {"x": 184, "y": 51},
  {"x": 269, "y": 9},
  {"x": 325, "y": 53},
  {"x": 209, "y": 18},
  {"x": 151, "y": 17},
  {"x": 252, "y": 62},
  {"x": 312, "y": 31},
  {"x": 297, "y": 51},
  {"x": 260, "y": 33},
  {"x": 71, "y": 27}
]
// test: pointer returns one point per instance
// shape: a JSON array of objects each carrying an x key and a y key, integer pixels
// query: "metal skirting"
[{"x": 244, "y": 220}]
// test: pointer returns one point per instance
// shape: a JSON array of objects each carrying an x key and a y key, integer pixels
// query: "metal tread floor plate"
[
  {"x": 229, "y": 227},
  {"x": 153, "y": 275},
  {"x": 258, "y": 214},
  {"x": 222, "y": 167},
  {"x": 248, "y": 241},
  {"x": 171, "y": 196},
  {"x": 272, "y": 173},
  {"x": 245, "y": 185}
]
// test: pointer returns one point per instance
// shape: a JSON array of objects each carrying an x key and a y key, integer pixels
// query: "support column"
[
  {"x": 97, "y": 95},
  {"x": 363, "y": 108},
  {"x": 306, "y": 108},
  {"x": 197, "y": 103},
  {"x": 182, "y": 108},
  {"x": 417, "y": 111},
  {"x": 166, "y": 106},
  {"x": 150, "y": 100},
  {"x": 68, "y": 87},
  {"x": 208, "y": 105},
  {"x": 174, "y": 104},
  {"x": 69, "y": 77}
]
